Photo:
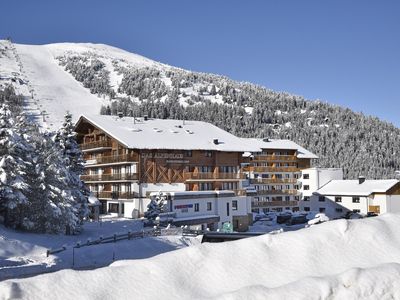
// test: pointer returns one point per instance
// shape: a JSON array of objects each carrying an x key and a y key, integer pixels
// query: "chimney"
[
  {"x": 215, "y": 141},
  {"x": 361, "y": 179},
  {"x": 145, "y": 118},
  {"x": 120, "y": 114}
]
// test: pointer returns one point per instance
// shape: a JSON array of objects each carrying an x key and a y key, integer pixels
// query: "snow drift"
[{"x": 343, "y": 259}]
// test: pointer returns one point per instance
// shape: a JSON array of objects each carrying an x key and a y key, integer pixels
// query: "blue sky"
[{"x": 342, "y": 52}]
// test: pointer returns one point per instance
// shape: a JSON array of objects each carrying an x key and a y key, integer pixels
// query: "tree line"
[{"x": 40, "y": 189}]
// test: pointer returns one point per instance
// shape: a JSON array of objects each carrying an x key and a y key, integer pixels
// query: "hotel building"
[{"x": 129, "y": 158}]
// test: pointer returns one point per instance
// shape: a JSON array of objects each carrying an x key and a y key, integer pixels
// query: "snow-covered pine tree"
[
  {"x": 155, "y": 207},
  {"x": 13, "y": 187},
  {"x": 65, "y": 138}
]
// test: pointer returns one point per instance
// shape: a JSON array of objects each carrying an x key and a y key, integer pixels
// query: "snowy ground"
[
  {"x": 342, "y": 259},
  {"x": 24, "y": 254}
]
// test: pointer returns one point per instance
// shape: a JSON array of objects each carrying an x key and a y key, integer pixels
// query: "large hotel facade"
[{"x": 129, "y": 159}]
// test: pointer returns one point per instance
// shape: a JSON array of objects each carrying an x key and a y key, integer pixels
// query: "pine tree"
[
  {"x": 12, "y": 169},
  {"x": 155, "y": 207},
  {"x": 65, "y": 138}
]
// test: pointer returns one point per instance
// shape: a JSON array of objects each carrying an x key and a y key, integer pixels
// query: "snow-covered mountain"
[
  {"x": 89, "y": 78},
  {"x": 50, "y": 91}
]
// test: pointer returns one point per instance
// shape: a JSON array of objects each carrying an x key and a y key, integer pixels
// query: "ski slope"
[
  {"x": 342, "y": 259},
  {"x": 33, "y": 70}
]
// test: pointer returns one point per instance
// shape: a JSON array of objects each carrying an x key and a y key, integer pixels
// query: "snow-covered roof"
[
  {"x": 280, "y": 144},
  {"x": 168, "y": 134},
  {"x": 354, "y": 188}
]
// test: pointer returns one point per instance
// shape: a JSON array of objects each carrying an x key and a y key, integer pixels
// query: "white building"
[
  {"x": 208, "y": 209},
  {"x": 339, "y": 197},
  {"x": 313, "y": 179}
]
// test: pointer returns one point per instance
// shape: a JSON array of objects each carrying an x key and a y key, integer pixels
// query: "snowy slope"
[
  {"x": 336, "y": 260},
  {"x": 33, "y": 69},
  {"x": 24, "y": 254}
]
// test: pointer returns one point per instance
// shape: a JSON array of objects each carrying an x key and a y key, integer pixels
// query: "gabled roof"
[
  {"x": 280, "y": 144},
  {"x": 135, "y": 133},
  {"x": 354, "y": 188}
]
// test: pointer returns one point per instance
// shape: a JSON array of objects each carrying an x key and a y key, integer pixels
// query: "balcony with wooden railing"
[
  {"x": 126, "y": 158},
  {"x": 115, "y": 195},
  {"x": 274, "y": 181},
  {"x": 110, "y": 177},
  {"x": 96, "y": 144},
  {"x": 262, "y": 169},
  {"x": 274, "y": 203},
  {"x": 270, "y": 157},
  {"x": 277, "y": 192},
  {"x": 200, "y": 176}
]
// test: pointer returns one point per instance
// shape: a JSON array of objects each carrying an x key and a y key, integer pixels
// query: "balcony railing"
[
  {"x": 270, "y": 169},
  {"x": 110, "y": 177},
  {"x": 274, "y": 203},
  {"x": 193, "y": 176},
  {"x": 277, "y": 192},
  {"x": 274, "y": 181},
  {"x": 269, "y": 157},
  {"x": 96, "y": 144},
  {"x": 112, "y": 159},
  {"x": 115, "y": 195}
]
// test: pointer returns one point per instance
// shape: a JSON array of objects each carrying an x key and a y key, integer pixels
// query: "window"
[
  {"x": 196, "y": 207},
  {"x": 306, "y": 187},
  {"x": 208, "y": 153},
  {"x": 113, "y": 207},
  {"x": 338, "y": 199},
  {"x": 287, "y": 198},
  {"x": 356, "y": 210},
  {"x": 256, "y": 199},
  {"x": 234, "y": 205},
  {"x": 188, "y": 153},
  {"x": 306, "y": 198},
  {"x": 306, "y": 208},
  {"x": 339, "y": 210},
  {"x": 265, "y": 210},
  {"x": 321, "y": 199},
  {"x": 306, "y": 176},
  {"x": 356, "y": 199},
  {"x": 227, "y": 209},
  {"x": 322, "y": 209},
  {"x": 278, "y": 209},
  {"x": 209, "y": 205}
]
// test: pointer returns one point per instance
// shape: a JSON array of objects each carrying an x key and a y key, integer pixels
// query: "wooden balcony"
[
  {"x": 115, "y": 195},
  {"x": 96, "y": 144},
  {"x": 110, "y": 177},
  {"x": 199, "y": 176},
  {"x": 278, "y": 192},
  {"x": 274, "y": 203},
  {"x": 112, "y": 159},
  {"x": 270, "y": 157},
  {"x": 274, "y": 181},
  {"x": 270, "y": 169}
]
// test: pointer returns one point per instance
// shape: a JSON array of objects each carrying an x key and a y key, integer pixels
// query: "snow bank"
[
  {"x": 24, "y": 254},
  {"x": 343, "y": 259}
]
